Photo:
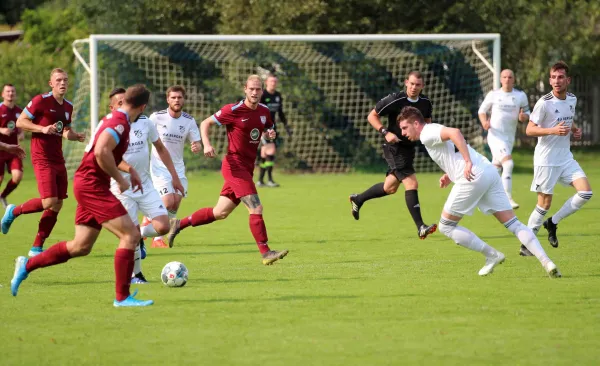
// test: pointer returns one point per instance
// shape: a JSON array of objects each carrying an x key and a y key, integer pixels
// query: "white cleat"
[
  {"x": 552, "y": 270},
  {"x": 490, "y": 263},
  {"x": 513, "y": 204}
]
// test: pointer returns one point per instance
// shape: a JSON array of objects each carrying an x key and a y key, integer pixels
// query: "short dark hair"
[
  {"x": 410, "y": 113},
  {"x": 560, "y": 65},
  {"x": 177, "y": 89},
  {"x": 416, "y": 74},
  {"x": 116, "y": 91},
  {"x": 7, "y": 84},
  {"x": 137, "y": 95}
]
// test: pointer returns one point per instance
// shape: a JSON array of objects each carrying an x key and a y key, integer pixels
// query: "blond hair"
[
  {"x": 57, "y": 70},
  {"x": 254, "y": 77}
]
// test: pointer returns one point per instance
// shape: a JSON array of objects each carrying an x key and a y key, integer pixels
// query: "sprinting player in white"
[
  {"x": 508, "y": 106},
  {"x": 476, "y": 184},
  {"x": 174, "y": 127},
  {"x": 552, "y": 123},
  {"x": 136, "y": 161}
]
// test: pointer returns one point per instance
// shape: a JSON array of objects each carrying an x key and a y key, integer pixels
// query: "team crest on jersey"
[
  {"x": 11, "y": 125},
  {"x": 120, "y": 129},
  {"x": 514, "y": 99},
  {"x": 67, "y": 115},
  {"x": 254, "y": 134},
  {"x": 277, "y": 99},
  {"x": 137, "y": 133},
  {"x": 59, "y": 126},
  {"x": 572, "y": 109},
  {"x": 263, "y": 119},
  {"x": 17, "y": 115},
  {"x": 181, "y": 129}
]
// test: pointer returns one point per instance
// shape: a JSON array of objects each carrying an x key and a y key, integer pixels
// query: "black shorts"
[{"x": 400, "y": 160}]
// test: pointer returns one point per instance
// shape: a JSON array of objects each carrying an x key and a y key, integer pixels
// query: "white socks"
[
  {"x": 465, "y": 238},
  {"x": 507, "y": 170},
  {"x": 148, "y": 231},
  {"x": 573, "y": 204},
  {"x": 528, "y": 239},
  {"x": 137, "y": 260},
  {"x": 536, "y": 219}
]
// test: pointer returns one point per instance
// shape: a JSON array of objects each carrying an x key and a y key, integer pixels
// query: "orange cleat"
[{"x": 159, "y": 243}]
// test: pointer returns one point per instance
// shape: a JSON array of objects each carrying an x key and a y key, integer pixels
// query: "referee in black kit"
[{"x": 398, "y": 151}]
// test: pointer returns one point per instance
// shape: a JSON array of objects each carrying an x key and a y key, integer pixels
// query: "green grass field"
[{"x": 350, "y": 293}]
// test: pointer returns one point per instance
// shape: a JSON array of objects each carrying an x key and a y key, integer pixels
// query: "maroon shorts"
[
  {"x": 10, "y": 162},
  {"x": 96, "y": 206},
  {"x": 238, "y": 183},
  {"x": 52, "y": 179}
]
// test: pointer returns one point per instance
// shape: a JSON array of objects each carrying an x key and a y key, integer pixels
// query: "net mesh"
[{"x": 329, "y": 88}]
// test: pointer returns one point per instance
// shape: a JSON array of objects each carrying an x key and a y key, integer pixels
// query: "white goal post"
[{"x": 446, "y": 60}]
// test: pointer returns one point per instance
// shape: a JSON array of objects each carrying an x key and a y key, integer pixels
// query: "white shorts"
[
  {"x": 500, "y": 146},
  {"x": 148, "y": 203},
  {"x": 164, "y": 184},
  {"x": 485, "y": 192},
  {"x": 546, "y": 177}
]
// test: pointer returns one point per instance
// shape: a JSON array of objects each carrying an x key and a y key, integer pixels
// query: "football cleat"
[
  {"x": 551, "y": 227},
  {"x": 19, "y": 276},
  {"x": 425, "y": 230},
  {"x": 272, "y": 184},
  {"x": 272, "y": 256},
  {"x": 173, "y": 231},
  {"x": 35, "y": 251},
  {"x": 3, "y": 202},
  {"x": 513, "y": 204},
  {"x": 143, "y": 250},
  {"x": 260, "y": 184},
  {"x": 490, "y": 263},
  {"x": 8, "y": 218},
  {"x": 131, "y": 301},
  {"x": 138, "y": 279},
  {"x": 159, "y": 243},
  {"x": 552, "y": 270},
  {"x": 524, "y": 252},
  {"x": 355, "y": 206}
]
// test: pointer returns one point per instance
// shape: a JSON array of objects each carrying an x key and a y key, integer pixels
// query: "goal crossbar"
[{"x": 93, "y": 40}]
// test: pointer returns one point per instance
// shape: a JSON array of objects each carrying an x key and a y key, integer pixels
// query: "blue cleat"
[
  {"x": 8, "y": 218},
  {"x": 143, "y": 248},
  {"x": 35, "y": 251},
  {"x": 130, "y": 301},
  {"x": 20, "y": 275}
]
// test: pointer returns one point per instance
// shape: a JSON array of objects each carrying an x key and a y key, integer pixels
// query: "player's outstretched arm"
[
  {"x": 105, "y": 145},
  {"x": 71, "y": 135},
  {"x": 13, "y": 149},
  {"x": 209, "y": 151},
  {"x": 535, "y": 131},
  {"x": 165, "y": 157}
]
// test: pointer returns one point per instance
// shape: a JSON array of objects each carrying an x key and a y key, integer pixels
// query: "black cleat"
[
  {"x": 524, "y": 252},
  {"x": 551, "y": 227},
  {"x": 355, "y": 206},
  {"x": 139, "y": 279},
  {"x": 425, "y": 230}
]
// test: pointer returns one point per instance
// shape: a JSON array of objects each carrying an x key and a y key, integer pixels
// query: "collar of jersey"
[
  {"x": 412, "y": 100},
  {"x": 124, "y": 112}
]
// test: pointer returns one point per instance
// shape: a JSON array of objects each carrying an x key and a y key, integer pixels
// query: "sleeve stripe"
[
  {"x": 114, "y": 134},
  {"x": 390, "y": 103},
  {"x": 28, "y": 113},
  {"x": 215, "y": 119}
]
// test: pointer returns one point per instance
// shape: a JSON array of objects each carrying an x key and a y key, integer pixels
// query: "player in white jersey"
[
  {"x": 499, "y": 114},
  {"x": 476, "y": 184},
  {"x": 552, "y": 123},
  {"x": 136, "y": 160},
  {"x": 174, "y": 127}
]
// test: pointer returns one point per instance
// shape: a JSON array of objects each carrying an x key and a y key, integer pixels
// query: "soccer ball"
[{"x": 174, "y": 274}]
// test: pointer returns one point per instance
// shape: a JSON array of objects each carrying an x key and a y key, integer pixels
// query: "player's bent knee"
[
  {"x": 161, "y": 225},
  {"x": 446, "y": 228},
  {"x": 221, "y": 214},
  {"x": 79, "y": 249}
]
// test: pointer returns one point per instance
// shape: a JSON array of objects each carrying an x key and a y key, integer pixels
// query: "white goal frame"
[{"x": 93, "y": 40}]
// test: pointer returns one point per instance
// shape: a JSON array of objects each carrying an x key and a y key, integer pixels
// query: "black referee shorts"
[{"x": 400, "y": 160}]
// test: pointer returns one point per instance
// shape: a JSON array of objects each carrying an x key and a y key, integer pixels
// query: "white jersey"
[
  {"x": 446, "y": 155},
  {"x": 142, "y": 133},
  {"x": 173, "y": 133},
  {"x": 504, "y": 108},
  {"x": 553, "y": 150}
]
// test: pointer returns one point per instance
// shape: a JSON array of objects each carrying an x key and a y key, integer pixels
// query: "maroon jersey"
[
  {"x": 89, "y": 174},
  {"x": 8, "y": 119},
  {"x": 244, "y": 130},
  {"x": 44, "y": 110}
]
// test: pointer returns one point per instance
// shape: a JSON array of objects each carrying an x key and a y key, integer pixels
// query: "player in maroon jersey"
[
  {"x": 246, "y": 122},
  {"x": 97, "y": 207},
  {"x": 11, "y": 135},
  {"x": 48, "y": 117}
]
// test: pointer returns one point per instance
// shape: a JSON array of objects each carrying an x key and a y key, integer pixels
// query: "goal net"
[{"x": 329, "y": 85}]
